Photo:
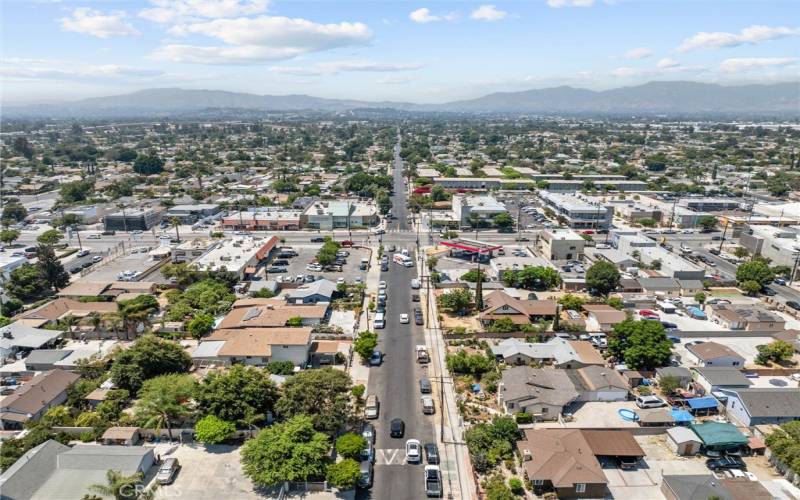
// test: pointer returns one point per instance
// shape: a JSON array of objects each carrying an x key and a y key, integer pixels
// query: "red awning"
[{"x": 469, "y": 248}]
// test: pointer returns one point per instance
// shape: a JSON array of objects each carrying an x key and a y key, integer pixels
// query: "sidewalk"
[
  {"x": 456, "y": 465},
  {"x": 358, "y": 370}
]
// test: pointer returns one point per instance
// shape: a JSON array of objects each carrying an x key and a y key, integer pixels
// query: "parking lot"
[
  {"x": 307, "y": 253},
  {"x": 110, "y": 271}
]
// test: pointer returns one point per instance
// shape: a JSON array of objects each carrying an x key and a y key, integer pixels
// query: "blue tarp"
[
  {"x": 701, "y": 403},
  {"x": 681, "y": 415},
  {"x": 696, "y": 313}
]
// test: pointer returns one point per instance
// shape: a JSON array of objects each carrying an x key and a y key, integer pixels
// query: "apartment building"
[
  {"x": 561, "y": 244},
  {"x": 339, "y": 214},
  {"x": 578, "y": 213}
]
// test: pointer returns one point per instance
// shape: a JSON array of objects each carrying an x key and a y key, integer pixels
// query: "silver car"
[{"x": 168, "y": 470}]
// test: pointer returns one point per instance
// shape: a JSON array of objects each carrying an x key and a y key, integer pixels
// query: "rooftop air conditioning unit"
[{"x": 527, "y": 455}]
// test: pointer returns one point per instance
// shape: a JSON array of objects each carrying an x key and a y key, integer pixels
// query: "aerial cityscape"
[{"x": 259, "y": 249}]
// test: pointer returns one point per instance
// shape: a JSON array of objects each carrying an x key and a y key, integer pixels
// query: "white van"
[
  {"x": 380, "y": 320},
  {"x": 415, "y": 284},
  {"x": 649, "y": 402},
  {"x": 371, "y": 408}
]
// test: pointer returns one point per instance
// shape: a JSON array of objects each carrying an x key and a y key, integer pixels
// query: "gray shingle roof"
[
  {"x": 769, "y": 402},
  {"x": 723, "y": 376}
]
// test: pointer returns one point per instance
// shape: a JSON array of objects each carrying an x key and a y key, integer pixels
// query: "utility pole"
[
  {"x": 724, "y": 232},
  {"x": 78, "y": 234},
  {"x": 794, "y": 268},
  {"x": 672, "y": 217}
]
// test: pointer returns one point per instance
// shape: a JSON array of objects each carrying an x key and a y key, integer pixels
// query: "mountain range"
[{"x": 671, "y": 98}]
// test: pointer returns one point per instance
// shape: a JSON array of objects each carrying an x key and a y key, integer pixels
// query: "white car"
[
  {"x": 314, "y": 267},
  {"x": 340, "y": 281},
  {"x": 381, "y": 284},
  {"x": 404, "y": 318},
  {"x": 413, "y": 451},
  {"x": 93, "y": 237}
]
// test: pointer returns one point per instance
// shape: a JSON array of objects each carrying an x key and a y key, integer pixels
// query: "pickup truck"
[
  {"x": 433, "y": 481},
  {"x": 422, "y": 354}
]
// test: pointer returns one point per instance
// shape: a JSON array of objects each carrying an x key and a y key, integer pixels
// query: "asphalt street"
[{"x": 396, "y": 381}]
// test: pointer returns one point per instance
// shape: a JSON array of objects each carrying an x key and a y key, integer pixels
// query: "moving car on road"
[
  {"x": 404, "y": 318},
  {"x": 413, "y": 451},
  {"x": 397, "y": 428}
]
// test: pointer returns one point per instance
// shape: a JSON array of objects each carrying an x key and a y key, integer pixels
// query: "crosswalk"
[{"x": 397, "y": 456}]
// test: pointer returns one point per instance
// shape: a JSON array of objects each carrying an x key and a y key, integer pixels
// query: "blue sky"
[{"x": 395, "y": 50}]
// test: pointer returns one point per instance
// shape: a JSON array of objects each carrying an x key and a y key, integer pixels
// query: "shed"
[
  {"x": 125, "y": 436},
  {"x": 656, "y": 418},
  {"x": 702, "y": 406},
  {"x": 719, "y": 436},
  {"x": 683, "y": 441}
]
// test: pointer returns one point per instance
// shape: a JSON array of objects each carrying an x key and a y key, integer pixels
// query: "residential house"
[
  {"x": 498, "y": 304},
  {"x": 602, "y": 317},
  {"x": 560, "y": 352},
  {"x": 759, "y": 406},
  {"x": 122, "y": 436},
  {"x": 54, "y": 471},
  {"x": 745, "y": 317},
  {"x": 542, "y": 393},
  {"x": 35, "y": 397},
  {"x": 41, "y": 360},
  {"x": 599, "y": 383},
  {"x": 683, "y": 375},
  {"x": 60, "y": 308},
  {"x": 311, "y": 293},
  {"x": 567, "y": 461},
  {"x": 274, "y": 314},
  {"x": 714, "y": 378},
  {"x": 661, "y": 286},
  {"x": 18, "y": 337},
  {"x": 707, "y": 486},
  {"x": 713, "y": 354},
  {"x": 254, "y": 346}
]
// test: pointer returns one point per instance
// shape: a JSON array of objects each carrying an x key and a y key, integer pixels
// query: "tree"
[
  {"x": 76, "y": 192},
  {"x": 9, "y": 236},
  {"x": 707, "y": 222},
  {"x": 365, "y": 344},
  {"x": 235, "y": 394},
  {"x": 750, "y": 287},
  {"x": 503, "y": 220},
  {"x": 741, "y": 252},
  {"x": 344, "y": 474},
  {"x": 496, "y": 489},
  {"x": 570, "y": 301},
  {"x": 668, "y": 383},
  {"x": 456, "y": 301},
  {"x": 213, "y": 430},
  {"x": 163, "y": 401},
  {"x": 647, "y": 222},
  {"x": 532, "y": 277},
  {"x": 489, "y": 443},
  {"x": 201, "y": 325},
  {"x": 13, "y": 212},
  {"x": 616, "y": 302},
  {"x": 23, "y": 147},
  {"x": 289, "y": 451},
  {"x": 122, "y": 487},
  {"x": 57, "y": 416},
  {"x": 755, "y": 270},
  {"x": 135, "y": 312},
  {"x": 470, "y": 364},
  {"x": 50, "y": 268},
  {"x": 641, "y": 344},
  {"x": 472, "y": 275},
  {"x": 148, "y": 164},
  {"x": 148, "y": 357},
  {"x": 322, "y": 394},
  {"x": 700, "y": 298},
  {"x": 778, "y": 351},
  {"x": 26, "y": 283},
  {"x": 350, "y": 445},
  {"x": 280, "y": 367},
  {"x": 602, "y": 278}
]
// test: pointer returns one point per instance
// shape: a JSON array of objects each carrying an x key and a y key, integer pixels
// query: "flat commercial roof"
[{"x": 471, "y": 245}]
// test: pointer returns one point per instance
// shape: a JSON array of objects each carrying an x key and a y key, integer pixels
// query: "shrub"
[
  {"x": 515, "y": 484},
  {"x": 523, "y": 418},
  {"x": 213, "y": 430},
  {"x": 350, "y": 445}
]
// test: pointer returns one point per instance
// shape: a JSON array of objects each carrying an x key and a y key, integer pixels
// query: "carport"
[
  {"x": 702, "y": 406},
  {"x": 719, "y": 436},
  {"x": 617, "y": 445}
]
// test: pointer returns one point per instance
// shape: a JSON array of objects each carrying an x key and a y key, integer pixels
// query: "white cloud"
[
  {"x": 424, "y": 15},
  {"x": 264, "y": 38},
  {"x": 570, "y": 3},
  {"x": 394, "y": 80},
  {"x": 488, "y": 13},
  {"x": 334, "y": 67},
  {"x": 626, "y": 72},
  {"x": 39, "y": 69},
  {"x": 170, "y": 11},
  {"x": 638, "y": 53},
  {"x": 667, "y": 62},
  {"x": 748, "y": 36},
  {"x": 740, "y": 64},
  {"x": 95, "y": 23}
]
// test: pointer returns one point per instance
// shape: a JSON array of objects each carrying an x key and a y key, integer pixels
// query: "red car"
[
  {"x": 346, "y": 243},
  {"x": 588, "y": 231},
  {"x": 647, "y": 313}
]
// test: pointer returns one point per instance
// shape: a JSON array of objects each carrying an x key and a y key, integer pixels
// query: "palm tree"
[
  {"x": 96, "y": 320},
  {"x": 176, "y": 222},
  {"x": 122, "y": 487},
  {"x": 70, "y": 321},
  {"x": 114, "y": 321}
]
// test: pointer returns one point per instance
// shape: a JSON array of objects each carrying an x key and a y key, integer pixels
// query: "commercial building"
[
  {"x": 87, "y": 214},
  {"x": 263, "y": 219},
  {"x": 10, "y": 262},
  {"x": 711, "y": 204},
  {"x": 577, "y": 213},
  {"x": 648, "y": 251},
  {"x": 132, "y": 219},
  {"x": 483, "y": 183},
  {"x": 240, "y": 255},
  {"x": 190, "y": 250},
  {"x": 339, "y": 214},
  {"x": 780, "y": 244},
  {"x": 634, "y": 212},
  {"x": 561, "y": 244},
  {"x": 189, "y": 214},
  {"x": 468, "y": 207}
]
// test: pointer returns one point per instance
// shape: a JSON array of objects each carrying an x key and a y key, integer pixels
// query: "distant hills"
[{"x": 673, "y": 98}]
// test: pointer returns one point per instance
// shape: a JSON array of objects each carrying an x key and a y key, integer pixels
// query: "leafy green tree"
[
  {"x": 778, "y": 351},
  {"x": 280, "y": 367},
  {"x": 668, "y": 383},
  {"x": 750, "y": 287},
  {"x": 350, "y": 445},
  {"x": 700, "y": 297},
  {"x": 148, "y": 357},
  {"x": 755, "y": 270},
  {"x": 647, "y": 222},
  {"x": 489, "y": 443},
  {"x": 235, "y": 394},
  {"x": 503, "y": 325},
  {"x": 472, "y": 276},
  {"x": 50, "y": 268},
  {"x": 532, "y": 277},
  {"x": 76, "y": 192},
  {"x": 707, "y": 222},
  {"x": 213, "y": 430},
  {"x": 289, "y": 451},
  {"x": 148, "y": 164},
  {"x": 163, "y": 400},
  {"x": 602, "y": 278},
  {"x": 9, "y": 236},
  {"x": 344, "y": 474},
  {"x": 322, "y": 394},
  {"x": 295, "y": 322},
  {"x": 496, "y": 489},
  {"x": 365, "y": 344},
  {"x": 570, "y": 301},
  {"x": 641, "y": 344},
  {"x": 740, "y": 252},
  {"x": 201, "y": 325},
  {"x": 471, "y": 364},
  {"x": 616, "y": 302},
  {"x": 13, "y": 212},
  {"x": 456, "y": 301},
  {"x": 11, "y": 307},
  {"x": 27, "y": 284},
  {"x": 136, "y": 311},
  {"x": 57, "y": 416},
  {"x": 503, "y": 220}
]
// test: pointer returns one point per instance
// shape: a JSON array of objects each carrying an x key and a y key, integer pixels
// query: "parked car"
[
  {"x": 725, "y": 463},
  {"x": 793, "y": 304},
  {"x": 397, "y": 428},
  {"x": 366, "y": 470},
  {"x": 318, "y": 239},
  {"x": 276, "y": 269},
  {"x": 368, "y": 432},
  {"x": 82, "y": 253},
  {"x": 649, "y": 402},
  {"x": 431, "y": 453},
  {"x": 779, "y": 281},
  {"x": 168, "y": 470},
  {"x": 413, "y": 451},
  {"x": 376, "y": 359},
  {"x": 404, "y": 318}
]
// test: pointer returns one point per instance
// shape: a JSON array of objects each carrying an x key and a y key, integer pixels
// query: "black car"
[
  {"x": 75, "y": 270},
  {"x": 725, "y": 463},
  {"x": 397, "y": 428},
  {"x": 793, "y": 304},
  {"x": 392, "y": 248},
  {"x": 418, "y": 320},
  {"x": 769, "y": 292},
  {"x": 384, "y": 267},
  {"x": 280, "y": 262},
  {"x": 415, "y": 297},
  {"x": 318, "y": 239},
  {"x": 87, "y": 265},
  {"x": 669, "y": 326},
  {"x": 431, "y": 453}
]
